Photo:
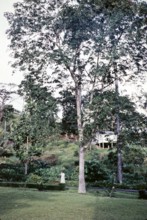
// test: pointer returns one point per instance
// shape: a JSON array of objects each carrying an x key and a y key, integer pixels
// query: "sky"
[
  {"x": 6, "y": 71},
  {"x": 6, "y": 74}
]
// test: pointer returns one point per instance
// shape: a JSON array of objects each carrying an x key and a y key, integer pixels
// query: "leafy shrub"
[
  {"x": 34, "y": 178},
  {"x": 95, "y": 170},
  {"x": 134, "y": 171},
  {"x": 49, "y": 174},
  {"x": 11, "y": 174},
  {"x": 134, "y": 155},
  {"x": 72, "y": 173},
  {"x": 43, "y": 162},
  {"x": 76, "y": 153},
  {"x": 133, "y": 178},
  {"x": 35, "y": 150},
  {"x": 72, "y": 183}
]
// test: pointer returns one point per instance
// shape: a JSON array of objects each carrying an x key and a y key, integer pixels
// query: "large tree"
[
  {"x": 40, "y": 110},
  {"x": 81, "y": 41},
  {"x": 37, "y": 121}
]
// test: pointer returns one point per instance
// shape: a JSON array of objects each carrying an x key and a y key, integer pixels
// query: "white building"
[{"x": 105, "y": 139}]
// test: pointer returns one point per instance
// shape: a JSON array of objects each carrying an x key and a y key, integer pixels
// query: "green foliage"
[
  {"x": 101, "y": 168},
  {"x": 134, "y": 168},
  {"x": 8, "y": 115},
  {"x": 134, "y": 155},
  {"x": 37, "y": 122},
  {"x": 72, "y": 173},
  {"x": 49, "y": 174},
  {"x": 69, "y": 115},
  {"x": 108, "y": 30},
  {"x": 6, "y": 150},
  {"x": 95, "y": 171},
  {"x": 8, "y": 112},
  {"x": 102, "y": 116},
  {"x": 11, "y": 174},
  {"x": 33, "y": 178},
  {"x": 95, "y": 168}
]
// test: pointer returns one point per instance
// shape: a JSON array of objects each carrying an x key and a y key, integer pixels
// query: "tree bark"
[
  {"x": 118, "y": 144},
  {"x": 27, "y": 160},
  {"x": 82, "y": 187},
  {"x": 119, "y": 167},
  {"x": 26, "y": 168}
]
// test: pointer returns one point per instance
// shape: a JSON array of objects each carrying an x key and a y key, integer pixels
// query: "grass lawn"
[{"x": 28, "y": 204}]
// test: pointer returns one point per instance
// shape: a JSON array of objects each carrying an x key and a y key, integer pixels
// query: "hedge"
[
  {"x": 34, "y": 185},
  {"x": 105, "y": 184}
]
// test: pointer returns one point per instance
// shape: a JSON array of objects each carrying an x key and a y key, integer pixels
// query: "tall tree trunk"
[
  {"x": 119, "y": 152},
  {"x": 5, "y": 126},
  {"x": 82, "y": 187},
  {"x": 119, "y": 166},
  {"x": 27, "y": 160},
  {"x": 26, "y": 168}
]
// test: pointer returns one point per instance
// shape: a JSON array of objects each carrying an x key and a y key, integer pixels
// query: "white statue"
[{"x": 62, "y": 180}]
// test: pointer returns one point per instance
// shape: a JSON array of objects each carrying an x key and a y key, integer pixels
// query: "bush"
[
  {"x": 34, "y": 178},
  {"x": 142, "y": 194},
  {"x": 49, "y": 174},
  {"x": 71, "y": 173},
  {"x": 12, "y": 173},
  {"x": 33, "y": 185},
  {"x": 96, "y": 170}
]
